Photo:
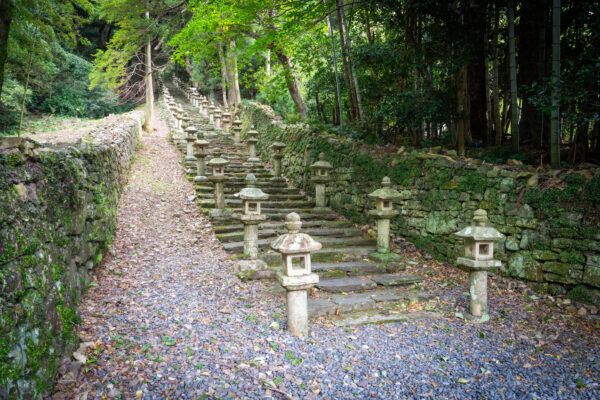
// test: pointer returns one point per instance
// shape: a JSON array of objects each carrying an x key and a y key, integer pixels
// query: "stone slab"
[
  {"x": 356, "y": 302},
  {"x": 396, "y": 279},
  {"x": 350, "y": 284},
  {"x": 364, "y": 318},
  {"x": 321, "y": 307}
]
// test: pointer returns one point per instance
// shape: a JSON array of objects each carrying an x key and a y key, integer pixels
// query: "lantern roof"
[
  {"x": 480, "y": 232},
  {"x": 217, "y": 161},
  {"x": 295, "y": 242},
  {"x": 321, "y": 164},
  {"x": 251, "y": 192},
  {"x": 385, "y": 192}
]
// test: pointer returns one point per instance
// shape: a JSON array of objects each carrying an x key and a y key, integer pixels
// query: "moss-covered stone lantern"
[
  {"x": 478, "y": 260},
  {"x": 320, "y": 178},
  {"x": 277, "y": 155},
  {"x": 296, "y": 277},
  {"x": 200, "y": 153},
  {"x": 211, "y": 114},
  {"x": 252, "y": 140},
  {"x": 217, "y": 166},
  {"x": 237, "y": 132},
  {"x": 226, "y": 121},
  {"x": 217, "y": 118},
  {"x": 251, "y": 216},
  {"x": 190, "y": 138}
]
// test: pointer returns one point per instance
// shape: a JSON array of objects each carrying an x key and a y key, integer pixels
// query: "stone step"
[
  {"x": 280, "y": 226},
  {"x": 397, "y": 279},
  {"x": 327, "y": 242},
  {"x": 346, "y": 284},
  {"x": 266, "y": 206},
  {"x": 353, "y": 268},
  {"x": 231, "y": 219},
  {"x": 342, "y": 254},
  {"x": 380, "y": 299},
  {"x": 272, "y": 197},
  {"x": 207, "y": 187},
  {"x": 374, "y": 317},
  {"x": 238, "y": 235}
]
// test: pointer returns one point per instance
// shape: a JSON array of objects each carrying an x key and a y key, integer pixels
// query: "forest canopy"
[{"x": 504, "y": 78}]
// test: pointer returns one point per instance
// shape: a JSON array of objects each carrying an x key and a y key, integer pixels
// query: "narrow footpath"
[{"x": 167, "y": 319}]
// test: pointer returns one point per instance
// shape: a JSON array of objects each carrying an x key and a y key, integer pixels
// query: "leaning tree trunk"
[
  {"x": 351, "y": 61},
  {"x": 335, "y": 70},
  {"x": 460, "y": 108},
  {"x": 149, "y": 125},
  {"x": 224, "y": 82},
  {"x": 25, "y": 90},
  {"x": 236, "y": 97},
  {"x": 514, "y": 106},
  {"x": 6, "y": 9},
  {"x": 495, "y": 82},
  {"x": 349, "y": 87},
  {"x": 291, "y": 82},
  {"x": 555, "y": 111}
]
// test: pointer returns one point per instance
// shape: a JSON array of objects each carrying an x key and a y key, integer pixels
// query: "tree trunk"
[
  {"x": 338, "y": 96},
  {"x": 149, "y": 125},
  {"x": 6, "y": 10},
  {"x": 224, "y": 82},
  {"x": 370, "y": 37},
  {"x": 460, "y": 108},
  {"x": 488, "y": 98},
  {"x": 351, "y": 61},
  {"x": 236, "y": 97},
  {"x": 514, "y": 106},
  {"x": 268, "y": 63},
  {"x": 291, "y": 82},
  {"x": 349, "y": 87},
  {"x": 475, "y": 106},
  {"x": 532, "y": 18},
  {"x": 25, "y": 90},
  {"x": 555, "y": 110},
  {"x": 495, "y": 81}
]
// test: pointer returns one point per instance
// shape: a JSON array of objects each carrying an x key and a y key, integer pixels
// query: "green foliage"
[{"x": 70, "y": 94}]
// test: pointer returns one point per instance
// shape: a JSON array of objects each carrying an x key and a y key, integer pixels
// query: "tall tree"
[
  {"x": 514, "y": 105},
  {"x": 555, "y": 111}
]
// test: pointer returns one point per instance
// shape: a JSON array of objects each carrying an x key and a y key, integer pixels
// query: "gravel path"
[{"x": 168, "y": 320}]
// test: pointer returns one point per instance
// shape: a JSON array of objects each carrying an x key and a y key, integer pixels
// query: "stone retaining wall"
[
  {"x": 550, "y": 219},
  {"x": 58, "y": 213}
]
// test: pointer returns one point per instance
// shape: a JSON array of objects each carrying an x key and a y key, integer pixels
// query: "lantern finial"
[
  {"x": 293, "y": 222},
  {"x": 480, "y": 217}
]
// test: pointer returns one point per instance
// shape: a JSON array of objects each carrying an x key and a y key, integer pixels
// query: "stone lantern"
[
  {"x": 226, "y": 121},
  {"x": 277, "y": 149},
  {"x": 178, "y": 118},
  {"x": 478, "y": 260},
  {"x": 211, "y": 114},
  {"x": 237, "y": 131},
  {"x": 384, "y": 212},
  {"x": 251, "y": 216},
  {"x": 200, "y": 152},
  {"x": 217, "y": 118},
  {"x": 217, "y": 166},
  {"x": 320, "y": 178},
  {"x": 252, "y": 140},
  {"x": 296, "y": 277},
  {"x": 205, "y": 107},
  {"x": 191, "y": 136}
]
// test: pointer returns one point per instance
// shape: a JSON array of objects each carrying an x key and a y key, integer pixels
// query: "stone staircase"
[{"x": 352, "y": 288}]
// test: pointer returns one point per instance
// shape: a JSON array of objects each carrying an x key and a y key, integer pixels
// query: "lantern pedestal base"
[
  {"x": 200, "y": 178},
  {"x": 277, "y": 179},
  {"x": 322, "y": 209},
  {"x": 472, "y": 318},
  {"x": 297, "y": 301},
  {"x": 253, "y": 269},
  {"x": 220, "y": 212},
  {"x": 388, "y": 259}
]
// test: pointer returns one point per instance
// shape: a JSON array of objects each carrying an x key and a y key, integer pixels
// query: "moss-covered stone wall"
[
  {"x": 550, "y": 218},
  {"x": 58, "y": 214}
]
